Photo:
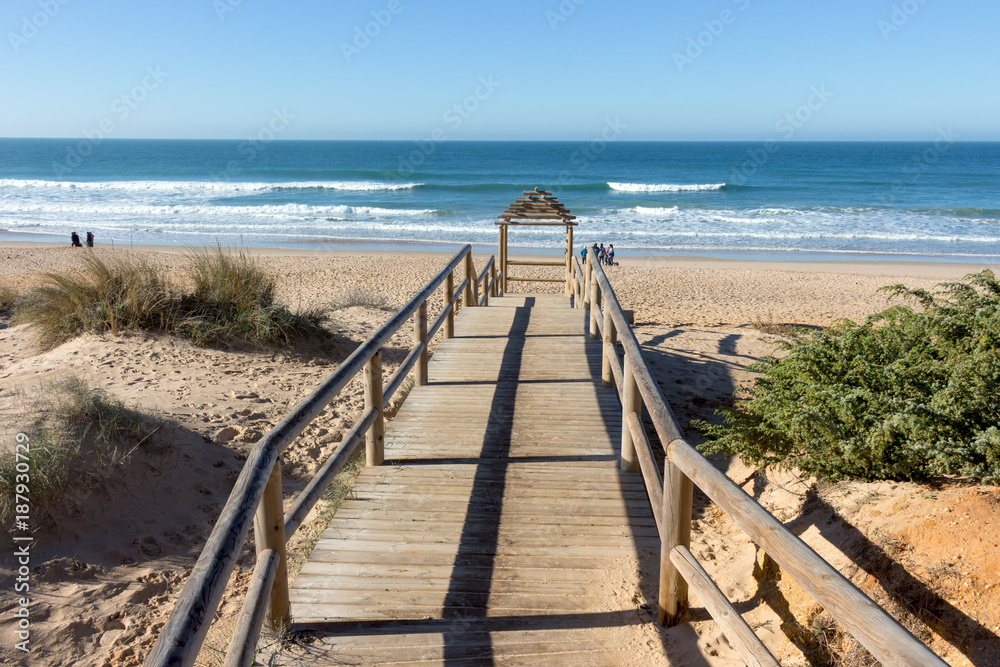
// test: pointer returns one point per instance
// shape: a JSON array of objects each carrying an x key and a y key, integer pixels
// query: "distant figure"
[
  {"x": 583, "y": 253},
  {"x": 602, "y": 254},
  {"x": 90, "y": 240},
  {"x": 611, "y": 254},
  {"x": 75, "y": 238}
]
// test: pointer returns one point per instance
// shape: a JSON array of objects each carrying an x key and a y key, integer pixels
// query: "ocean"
[{"x": 937, "y": 201}]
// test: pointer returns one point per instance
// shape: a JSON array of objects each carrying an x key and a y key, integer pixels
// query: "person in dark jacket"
[
  {"x": 90, "y": 240},
  {"x": 75, "y": 239}
]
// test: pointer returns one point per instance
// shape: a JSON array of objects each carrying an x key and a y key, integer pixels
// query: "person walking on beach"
[
  {"x": 90, "y": 240},
  {"x": 583, "y": 254},
  {"x": 611, "y": 254},
  {"x": 75, "y": 239}
]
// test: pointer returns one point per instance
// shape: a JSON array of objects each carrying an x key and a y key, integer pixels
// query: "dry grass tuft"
[
  {"x": 353, "y": 297},
  {"x": 8, "y": 296},
  {"x": 768, "y": 325}
]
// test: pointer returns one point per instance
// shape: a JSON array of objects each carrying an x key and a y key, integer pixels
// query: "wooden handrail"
[
  {"x": 871, "y": 625},
  {"x": 243, "y": 645},
  {"x": 321, "y": 481},
  {"x": 742, "y": 636},
  {"x": 184, "y": 632}
]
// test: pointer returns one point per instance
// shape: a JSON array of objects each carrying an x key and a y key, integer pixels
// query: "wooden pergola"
[{"x": 537, "y": 208}]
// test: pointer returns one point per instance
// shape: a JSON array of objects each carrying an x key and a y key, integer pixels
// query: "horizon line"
[{"x": 538, "y": 141}]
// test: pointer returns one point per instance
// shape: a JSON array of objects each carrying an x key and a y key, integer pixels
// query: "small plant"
[
  {"x": 75, "y": 433},
  {"x": 353, "y": 297},
  {"x": 908, "y": 394},
  {"x": 8, "y": 296},
  {"x": 768, "y": 325}
]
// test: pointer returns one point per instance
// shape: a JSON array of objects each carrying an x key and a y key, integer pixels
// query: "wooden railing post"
[
  {"x": 493, "y": 280},
  {"x": 595, "y": 307},
  {"x": 420, "y": 337},
  {"x": 449, "y": 300},
  {"x": 678, "y": 492},
  {"x": 471, "y": 298},
  {"x": 578, "y": 284},
  {"x": 588, "y": 271},
  {"x": 569, "y": 260},
  {"x": 375, "y": 438},
  {"x": 610, "y": 340},
  {"x": 503, "y": 259},
  {"x": 269, "y": 533},
  {"x": 631, "y": 402}
]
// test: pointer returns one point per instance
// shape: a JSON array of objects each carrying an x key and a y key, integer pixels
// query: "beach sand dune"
[{"x": 110, "y": 557}]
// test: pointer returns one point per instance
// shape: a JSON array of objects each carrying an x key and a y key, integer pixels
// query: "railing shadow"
[
  {"x": 466, "y": 602},
  {"x": 963, "y": 632}
]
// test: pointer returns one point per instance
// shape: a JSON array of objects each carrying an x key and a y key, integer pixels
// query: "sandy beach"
[{"x": 110, "y": 558}]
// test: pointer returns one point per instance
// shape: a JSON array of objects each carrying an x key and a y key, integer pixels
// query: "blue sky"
[{"x": 519, "y": 69}]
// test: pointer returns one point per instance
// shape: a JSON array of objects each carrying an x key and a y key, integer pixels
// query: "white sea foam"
[
  {"x": 220, "y": 187},
  {"x": 187, "y": 210},
  {"x": 654, "y": 211},
  {"x": 665, "y": 187}
]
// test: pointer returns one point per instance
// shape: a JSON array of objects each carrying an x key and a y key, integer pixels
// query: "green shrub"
[
  {"x": 232, "y": 302},
  {"x": 908, "y": 394}
]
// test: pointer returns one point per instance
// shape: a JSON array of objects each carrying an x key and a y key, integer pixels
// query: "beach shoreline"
[{"x": 943, "y": 268}]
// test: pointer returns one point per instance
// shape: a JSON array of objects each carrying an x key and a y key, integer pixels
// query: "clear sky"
[{"x": 518, "y": 69}]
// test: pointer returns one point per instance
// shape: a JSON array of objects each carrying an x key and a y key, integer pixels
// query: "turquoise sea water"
[{"x": 733, "y": 199}]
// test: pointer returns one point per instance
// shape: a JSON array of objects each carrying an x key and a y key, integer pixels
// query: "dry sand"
[{"x": 110, "y": 557}]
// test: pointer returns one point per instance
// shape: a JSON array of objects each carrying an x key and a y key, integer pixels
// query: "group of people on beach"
[
  {"x": 605, "y": 256},
  {"x": 75, "y": 240}
]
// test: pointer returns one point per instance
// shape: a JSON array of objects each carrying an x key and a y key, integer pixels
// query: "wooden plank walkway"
[{"x": 500, "y": 530}]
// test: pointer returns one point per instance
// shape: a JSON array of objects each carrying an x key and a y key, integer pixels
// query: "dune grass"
[
  {"x": 125, "y": 292},
  {"x": 75, "y": 433},
  {"x": 8, "y": 297},
  {"x": 232, "y": 302}
]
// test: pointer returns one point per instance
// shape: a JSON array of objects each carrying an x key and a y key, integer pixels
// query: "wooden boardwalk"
[{"x": 500, "y": 529}]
